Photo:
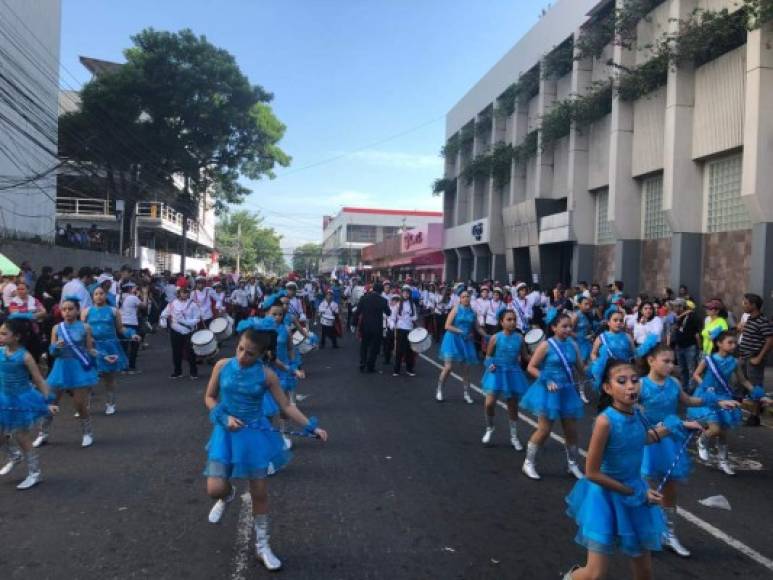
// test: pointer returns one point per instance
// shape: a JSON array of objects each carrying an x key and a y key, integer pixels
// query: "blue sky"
[{"x": 362, "y": 85}]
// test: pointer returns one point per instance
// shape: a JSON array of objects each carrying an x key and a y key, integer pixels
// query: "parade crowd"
[{"x": 662, "y": 372}]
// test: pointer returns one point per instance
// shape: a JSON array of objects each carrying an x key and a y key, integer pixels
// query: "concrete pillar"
[
  {"x": 628, "y": 264},
  {"x": 481, "y": 262},
  {"x": 544, "y": 177},
  {"x": 450, "y": 265},
  {"x": 465, "y": 263},
  {"x": 583, "y": 260},
  {"x": 761, "y": 271},
  {"x": 687, "y": 262},
  {"x": 499, "y": 268},
  {"x": 535, "y": 263},
  {"x": 510, "y": 264},
  {"x": 519, "y": 128}
]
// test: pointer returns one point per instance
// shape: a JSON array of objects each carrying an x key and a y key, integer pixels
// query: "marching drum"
[
  {"x": 300, "y": 342},
  {"x": 222, "y": 327},
  {"x": 420, "y": 340},
  {"x": 204, "y": 343},
  {"x": 533, "y": 338}
]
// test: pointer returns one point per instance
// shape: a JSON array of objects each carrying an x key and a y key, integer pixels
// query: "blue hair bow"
[
  {"x": 610, "y": 311},
  {"x": 551, "y": 315}
]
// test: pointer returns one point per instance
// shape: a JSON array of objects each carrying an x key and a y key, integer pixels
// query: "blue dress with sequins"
[
  {"x": 565, "y": 403},
  {"x": 658, "y": 402},
  {"x": 21, "y": 404},
  {"x": 458, "y": 347},
  {"x": 508, "y": 379},
  {"x": 727, "y": 418},
  {"x": 247, "y": 452},
  {"x": 68, "y": 371},
  {"x": 608, "y": 520},
  {"x": 101, "y": 319}
]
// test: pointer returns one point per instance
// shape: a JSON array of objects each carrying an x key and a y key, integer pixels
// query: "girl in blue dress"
[
  {"x": 714, "y": 375},
  {"x": 583, "y": 328},
  {"x": 74, "y": 368},
  {"x": 612, "y": 505},
  {"x": 243, "y": 444},
  {"x": 106, "y": 326},
  {"x": 22, "y": 405},
  {"x": 553, "y": 395},
  {"x": 503, "y": 376},
  {"x": 457, "y": 346},
  {"x": 659, "y": 397},
  {"x": 614, "y": 343}
]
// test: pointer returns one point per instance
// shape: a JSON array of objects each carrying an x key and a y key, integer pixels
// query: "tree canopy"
[
  {"x": 260, "y": 249},
  {"x": 306, "y": 258},
  {"x": 179, "y": 111}
]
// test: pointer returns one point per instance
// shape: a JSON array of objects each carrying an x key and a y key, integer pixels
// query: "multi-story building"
[
  {"x": 593, "y": 151},
  {"x": 353, "y": 228},
  {"x": 29, "y": 58}
]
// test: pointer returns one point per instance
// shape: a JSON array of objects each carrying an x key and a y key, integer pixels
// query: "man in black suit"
[{"x": 371, "y": 310}]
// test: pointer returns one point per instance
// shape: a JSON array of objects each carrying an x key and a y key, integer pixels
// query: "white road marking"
[
  {"x": 689, "y": 516},
  {"x": 243, "y": 535}
]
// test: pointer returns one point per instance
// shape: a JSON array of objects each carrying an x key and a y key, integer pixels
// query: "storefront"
[{"x": 416, "y": 253}]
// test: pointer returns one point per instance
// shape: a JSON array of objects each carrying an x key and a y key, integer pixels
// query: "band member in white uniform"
[
  {"x": 404, "y": 318},
  {"x": 181, "y": 318},
  {"x": 203, "y": 296}
]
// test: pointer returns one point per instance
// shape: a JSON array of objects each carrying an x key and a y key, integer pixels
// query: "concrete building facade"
[
  {"x": 669, "y": 186},
  {"x": 354, "y": 228}
]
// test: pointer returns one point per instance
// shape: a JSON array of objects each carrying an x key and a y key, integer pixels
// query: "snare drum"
[
  {"x": 533, "y": 338},
  {"x": 420, "y": 340},
  {"x": 222, "y": 327},
  {"x": 204, "y": 343},
  {"x": 300, "y": 343}
]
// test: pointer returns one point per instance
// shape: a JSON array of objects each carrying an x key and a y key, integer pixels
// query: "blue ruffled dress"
[
  {"x": 508, "y": 379},
  {"x": 727, "y": 418},
  {"x": 270, "y": 406},
  {"x": 618, "y": 346},
  {"x": 68, "y": 372},
  {"x": 660, "y": 401},
  {"x": 583, "y": 329},
  {"x": 458, "y": 347},
  {"x": 564, "y": 403},
  {"x": 248, "y": 452},
  {"x": 21, "y": 404},
  {"x": 101, "y": 319},
  {"x": 608, "y": 520}
]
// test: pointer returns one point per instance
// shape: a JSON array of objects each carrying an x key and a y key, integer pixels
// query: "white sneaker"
[
  {"x": 725, "y": 466},
  {"x": 40, "y": 440},
  {"x": 530, "y": 470},
  {"x": 268, "y": 559},
  {"x": 467, "y": 397},
  {"x": 703, "y": 449},
  {"x": 288, "y": 442},
  {"x": 8, "y": 467},
  {"x": 439, "y": 395},
  {"x": 30, "y": 481},
  {"x": 109, "y": 408},
  {"x": 88, "y": 440},
  {"x": 76, "y": 414},
  {"x": 270, "y": 470},
  {"x": 574, "y": 469},
  {"x": 486, "y": 440},
  {"x": 672, "y": 542},
  {"x": 584, "y": 397},
  {"x": 516, "y": 443},
  {"x": 217, "y": 511}
]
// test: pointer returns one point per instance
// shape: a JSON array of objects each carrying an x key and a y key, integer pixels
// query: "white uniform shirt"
[
  {"x": 327, "y": 312},
  {"x": 203, "y": 299},
  {"x": 181, "y": 316},
  {"x": 73, "y": 288},
  {"x": 481, "y": 307},
  {"x": 219, "y": 300},
  {"x": 493, "y": 310},
  {"x": 404, "y": 315},
  {"x": 240, "y": 298},
  {"x": 170, "y": 291},
  {"x": 129, "y": 305},
  {"x": 641, "y": 331},
  {"x": 295, "y": 307}
]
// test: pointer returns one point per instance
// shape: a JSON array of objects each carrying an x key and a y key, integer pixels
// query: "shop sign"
[{"x": 413, "y": 239}]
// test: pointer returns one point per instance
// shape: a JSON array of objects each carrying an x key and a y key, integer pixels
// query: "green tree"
[
  {"x": 257, "y": 246},
  {"x": 179, "y": 119},
  {"x": 306, "y": 258}
]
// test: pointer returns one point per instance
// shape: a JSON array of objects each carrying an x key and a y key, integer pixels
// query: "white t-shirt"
[
  {"x": 641, "y": 331},
  {"x": 76, "y": 288},
  {"x": 9, "y": 290},
  {"x": 129, "y": 305},
  {"x": 327, "y": 312}
]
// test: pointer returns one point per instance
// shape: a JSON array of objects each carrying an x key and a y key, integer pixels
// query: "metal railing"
[
  {"x": 85, "y": 206},
  {"x": 173, "y": 219}
]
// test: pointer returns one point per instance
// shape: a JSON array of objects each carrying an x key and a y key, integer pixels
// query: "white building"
[
  {"x": 660, "y": 186},
  {"x": 29, "y": 59},
  {"x": 353, "y": 228}
]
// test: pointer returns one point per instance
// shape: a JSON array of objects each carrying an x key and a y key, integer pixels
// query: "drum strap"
[
  {"x": 82, "y": 357},
  {"x": 521, "y": 314},
  {"x": 567, "y": 367},
  {"x": 718, "y": 375}
]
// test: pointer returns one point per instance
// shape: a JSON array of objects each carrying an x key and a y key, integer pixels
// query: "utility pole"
[{"x": 238, "y": 248}]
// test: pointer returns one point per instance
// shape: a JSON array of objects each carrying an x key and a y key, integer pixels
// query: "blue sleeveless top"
[
  {"x": 584, "y": 327},
  {"x": 14, "y": 376},
  {"x": 726, "y": 365},
  {"x": 242, "y": 389},
  {"x": 507, "y": 350},
  {"x": 102, "y": 322},
  {"x": 625, "y": 445},
  {"x": 78, "y": 334},
  {"x": 552, "y": 368},
  {"x": 619, "y": 345},
  {"x": 464, "y": 319},
  {"x": 659, "y": 401}
]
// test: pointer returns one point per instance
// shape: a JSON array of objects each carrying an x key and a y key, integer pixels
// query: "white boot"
[
  {"x": 572, "y": 465},
  {"x": 529, "y": 467},
  {"x": 467, "y": 397},
  {"x": 262, "y": 548},
  {"x": 486, "y": 439},
  {"x": 439, "y": 393},
  {"x": 88, "y": 433},
  {"x": 45, "y": 430},
  {"x": 724, "y": 462},
  {"x": 703, "y": 448},
  {"x": 110, "y": 404},
  {"x": 514, "y": 441},
  {"x": 568, "y": 575},
  {"x": 669, "y": 537},
  {"x": 217, "y": 511},
  {"x": 14, "y": 457},
  {"x": 34, "y": 476}
]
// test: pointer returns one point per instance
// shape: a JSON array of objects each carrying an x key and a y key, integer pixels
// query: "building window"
[
  {"x": 604, "y": 233},
  {"x": 655, "y": 223},
  {"x": 391, "y": 231},
  {"x": 726, "y": 209},
  {"x": 361, "y": 234}
]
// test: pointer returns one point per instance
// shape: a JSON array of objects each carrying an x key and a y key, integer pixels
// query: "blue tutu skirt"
[
  {"x": 287, "y": 380},
  {"x": 585, "y": 347},
  {"x": 246, "y": 453},
  {"x": 727, "y": 418},
  {"x": 270, "y": 407},
  {"x": 22, "y": 411},
  {"x": 606, "y": 521},
  {"x": 564, "y": 403},
  {"x": 456, "y": 348},
  {"x": 107, "y": 348},
  {"x": 506, "y": 381},
  {"x": 68, "y": 373},
  {"x": 658, "y": 458}
]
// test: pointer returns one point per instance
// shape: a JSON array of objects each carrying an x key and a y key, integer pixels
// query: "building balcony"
[
  {"x": 158, "y": 215},
  {"x": 555, "y": 228},
  {"x": 83, "y": 212}
]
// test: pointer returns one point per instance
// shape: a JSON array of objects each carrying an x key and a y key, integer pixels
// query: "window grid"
[
  {"x": 655, "y": 224},
  {"x": 604, "y": 233},
  {"x": 726, "y": 209}
]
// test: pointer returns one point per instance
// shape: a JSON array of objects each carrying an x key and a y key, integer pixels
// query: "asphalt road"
[{"x": 403, "y": 489}]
